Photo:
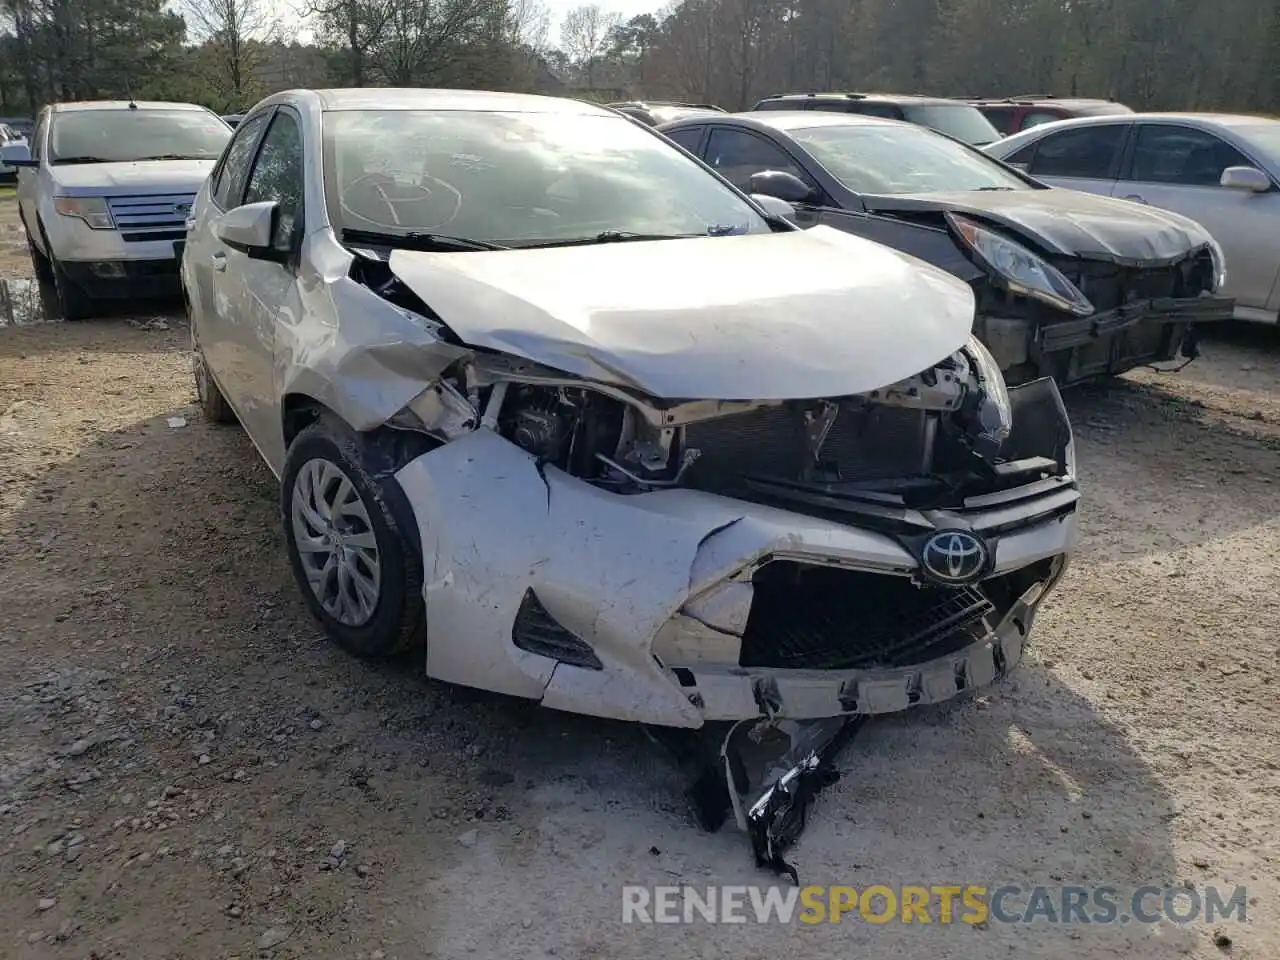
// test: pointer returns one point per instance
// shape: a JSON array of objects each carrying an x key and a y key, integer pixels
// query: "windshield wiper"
[
  {"x": 993, "y": 188},
  {"x": 177, "y": 156},
  {"x": 57, "y": 160},
  {"x": 418, "y": 241},
  {"x": 626, "y": 236}
]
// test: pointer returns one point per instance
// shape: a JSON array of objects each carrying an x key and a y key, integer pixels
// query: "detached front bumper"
[
  {"x": 657, "y": 607},
  {"x": 1108, "y": 342}
]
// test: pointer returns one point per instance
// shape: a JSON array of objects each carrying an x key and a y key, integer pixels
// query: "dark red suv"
[{"x": 1010, "y": 115}]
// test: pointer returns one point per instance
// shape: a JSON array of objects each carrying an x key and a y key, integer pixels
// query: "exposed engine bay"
[{"x": 925, "y": 442}]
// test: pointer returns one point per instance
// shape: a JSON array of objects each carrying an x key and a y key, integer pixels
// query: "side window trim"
[{"x": 216, "y": 176}]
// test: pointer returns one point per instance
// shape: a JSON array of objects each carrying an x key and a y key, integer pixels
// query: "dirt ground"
[{"x": 188, "y": 770}]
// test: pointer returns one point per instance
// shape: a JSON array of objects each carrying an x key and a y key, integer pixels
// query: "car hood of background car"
[
  {"x": 794, "y": 315},
  {"x": 138, "y": 178},
  {"x": 1069, "y": 223}
]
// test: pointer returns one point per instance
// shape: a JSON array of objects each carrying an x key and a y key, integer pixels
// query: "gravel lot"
[{"x": 187, "y": 769}]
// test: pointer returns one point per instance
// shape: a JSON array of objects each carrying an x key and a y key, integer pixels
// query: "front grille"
[
  {"x": 819, "y": 618},
  {"x": 146, "y": 218},
  {"x": 871, "y": 443}
]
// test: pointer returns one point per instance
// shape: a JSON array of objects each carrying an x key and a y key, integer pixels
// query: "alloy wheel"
[{"x": 336, "y": 542}]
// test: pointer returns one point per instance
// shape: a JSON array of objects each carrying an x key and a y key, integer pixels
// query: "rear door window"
[
  {"x": 1090, "y": 153},
  {"x": 688, "y": 137}
]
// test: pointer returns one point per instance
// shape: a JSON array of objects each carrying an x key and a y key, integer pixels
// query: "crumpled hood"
[
  {"x": 1070, "y": 222},
  {"x": 140, "y": 178},
  {"x": 796, "y": 315}
]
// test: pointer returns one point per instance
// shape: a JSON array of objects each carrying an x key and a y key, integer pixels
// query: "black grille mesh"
[{"x": 826, "y": 619}]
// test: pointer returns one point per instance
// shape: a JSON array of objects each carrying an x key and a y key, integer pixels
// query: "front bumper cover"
[{"x": 624, "y": 573}]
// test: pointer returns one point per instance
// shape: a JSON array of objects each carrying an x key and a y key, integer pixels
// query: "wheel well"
[{"x": 299, "y": 411}]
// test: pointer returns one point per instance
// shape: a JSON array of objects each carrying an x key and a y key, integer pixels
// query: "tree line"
[{"x": 1153, "y": 54}]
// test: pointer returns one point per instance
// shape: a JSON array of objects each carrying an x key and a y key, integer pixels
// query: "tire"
[
  {"x": 39, "y": 262},
  {"x": 393, "y": 619},
  {"x": 73, "y": 302},
  {"x": 212, "y": 403}
]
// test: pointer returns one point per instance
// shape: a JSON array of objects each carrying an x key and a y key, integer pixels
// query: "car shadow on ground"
[
  {"x": 156, "y": 553},
  {"x": 28, "y": 302}
]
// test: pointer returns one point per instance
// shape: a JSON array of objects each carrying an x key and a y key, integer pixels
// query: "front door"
[
  {"x": 257, "y": 293},
  {"x": 1179, "y": 168}
]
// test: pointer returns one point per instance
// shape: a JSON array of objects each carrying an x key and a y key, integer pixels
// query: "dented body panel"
[
  {"x": 618, "y": 571},
  {"x": 751, "y": 317}
]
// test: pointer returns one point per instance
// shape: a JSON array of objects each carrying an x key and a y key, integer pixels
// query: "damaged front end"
[
  {"x": 778, "y": 565},
  {"x": 1121, "y": 316}
]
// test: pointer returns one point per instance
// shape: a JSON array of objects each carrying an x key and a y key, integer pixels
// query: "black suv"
[{"x": 963, "y": 121}]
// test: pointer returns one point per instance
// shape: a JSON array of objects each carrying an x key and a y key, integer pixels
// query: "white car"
[
  {"x": 104, "y": 192},
  {"x": 1221, "y": 170},
  {"x": 9, "y": 138},
  {"x": 553, "y": 402}
]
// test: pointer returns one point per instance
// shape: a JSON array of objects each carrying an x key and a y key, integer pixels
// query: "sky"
[{"x": 557, "y": 9}]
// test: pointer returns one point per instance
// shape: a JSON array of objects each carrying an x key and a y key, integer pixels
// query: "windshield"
[
  {"x": 960, "y": 121},
  {"x": 899, "y": 158},
  {"x": 118, "y": 136},
  {"x": 518, "y": 178}
]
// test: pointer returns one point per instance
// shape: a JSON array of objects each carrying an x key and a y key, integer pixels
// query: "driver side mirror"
[
  {"x": 250, "y": 229},
  {"x": 1250, "y": 179},
  {"x": 17, "y": 155},
  {"x": 781, "y": 185}
]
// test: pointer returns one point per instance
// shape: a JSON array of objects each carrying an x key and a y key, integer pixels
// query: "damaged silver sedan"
[{"x": 783, "y": 482}]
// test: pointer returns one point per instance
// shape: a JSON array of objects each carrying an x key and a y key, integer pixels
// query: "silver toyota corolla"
[{"x": 550, "y": 398}]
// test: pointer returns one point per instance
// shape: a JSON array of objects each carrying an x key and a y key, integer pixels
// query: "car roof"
[
  {"x": 873, "y": 97},
  {"x": 1041, "y": 101},
  {"x": 77, "y": 106},
  {"x": 409, "y": 98},
  {"x": 1203, "y": 120},
  {"x": 786, "y": 120}
]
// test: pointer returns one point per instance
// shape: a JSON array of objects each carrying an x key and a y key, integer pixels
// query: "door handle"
[
  {"x": 1135, "y": 197},
  {"x": 219, "y": 262}
]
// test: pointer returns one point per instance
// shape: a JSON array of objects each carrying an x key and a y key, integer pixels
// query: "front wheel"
[
  {"x": 359, "y": 570},
  {"x": 72, "y": 301}
]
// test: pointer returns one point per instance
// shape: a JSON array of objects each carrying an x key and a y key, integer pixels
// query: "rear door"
[
  {"x": 1179, "y": 168},
  {"x": 1081, "y": 158}
]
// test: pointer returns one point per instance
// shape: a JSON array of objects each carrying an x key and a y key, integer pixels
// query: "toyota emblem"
[{"x": 954, "y": 557}]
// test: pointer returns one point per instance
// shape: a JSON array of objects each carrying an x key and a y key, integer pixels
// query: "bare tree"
[
  {"x": 233, "y": 29},
  {"x": 585, "y": 34}
]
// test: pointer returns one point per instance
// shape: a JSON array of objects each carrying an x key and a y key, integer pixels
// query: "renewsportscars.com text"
[{"x": 942, "y": 904}]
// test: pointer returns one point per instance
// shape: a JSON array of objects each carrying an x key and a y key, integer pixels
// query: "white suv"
[{"x": 104, "y": 191}]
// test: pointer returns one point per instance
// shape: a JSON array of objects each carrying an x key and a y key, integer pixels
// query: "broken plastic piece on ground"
[
  {"x": 774, "y": 769},
  {"x": 176, "y": 422}
]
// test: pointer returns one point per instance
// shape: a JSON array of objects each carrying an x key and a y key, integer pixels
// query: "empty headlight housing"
[
  {"x": 1021, "y": 270},
  {"x": 92, "y": 210}
]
